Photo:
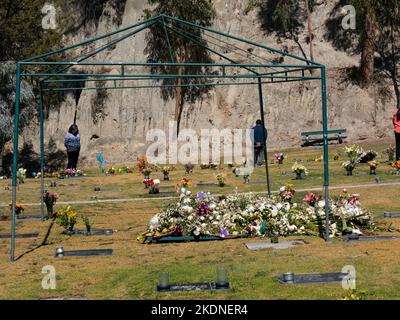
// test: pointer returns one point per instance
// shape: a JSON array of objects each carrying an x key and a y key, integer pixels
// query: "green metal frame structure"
[{"x": 52, "y": 72}]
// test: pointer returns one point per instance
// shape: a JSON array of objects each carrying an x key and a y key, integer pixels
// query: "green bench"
[{"x": 313, "y": 137}]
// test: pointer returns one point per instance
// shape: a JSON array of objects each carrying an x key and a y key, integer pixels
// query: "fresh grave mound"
[{"x": 246, "y": 215}]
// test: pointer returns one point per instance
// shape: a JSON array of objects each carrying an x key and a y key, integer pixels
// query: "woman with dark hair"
[
  {"x": 72, "y": 142},
  {"x": 396, "y": 123}
]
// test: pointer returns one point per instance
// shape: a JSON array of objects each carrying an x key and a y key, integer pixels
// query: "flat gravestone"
[
  {"x": 363, "y": 239},
  {"x": 280, "y": 245},
  {"x": 166, "y": 187},
  {"x": 316, "y": 278},
  {"x": 207, "y": 185},
  {"x": 193, "y": 287},
  {"x": 85, "y": 253},
  {"x": 30, "y": 218},
  {"x": 390, "y": 215},
  {"x": 92, "y": 232},
  {"x": 163, "y": 194},
  {"x": 258, "y": 182},
  {"x": 24, "y": 235}
]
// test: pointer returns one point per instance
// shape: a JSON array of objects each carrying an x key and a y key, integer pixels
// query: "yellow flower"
[
  {"x": 165, "y": 230},
  {"x": 171, "y": 228}
]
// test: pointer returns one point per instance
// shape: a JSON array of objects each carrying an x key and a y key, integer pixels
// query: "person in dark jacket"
[
  {"x": 259, "y": 142},
  {"x": 72, "y": 142}
]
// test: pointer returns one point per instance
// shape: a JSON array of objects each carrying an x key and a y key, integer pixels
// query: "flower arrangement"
[
  {"x": 353, "y": 152},
  {"x": 279, "y": 157},
  {"x": 67, "y": 218},
  {"x": 349, "y": 165},
  {"x": 396, "y": 165},
  {"x": 154, "y": 186},
  {"x": 147, "y": 182},
  {"x": 21, "y": 175},
  {"x": 311, "y": 199},
  {"x": 185, "y": 183},
  {"x": 67, "y": 173},
  {"x": 125, "y": 169},
  {"x": 221, "y": 180},
  {"x": 183, "y": 186},
  {"x": 55, "y": 174},
  {"x": 166, "y": 170},
  {"x": 299, "y": 170},
  {"x": 286, "y": 193},
  {"x": 214, "y": 165},
  {"x": 254, "y": 215},
  {"x": 390, "y": 151},
  {"x": 112, "y": 170},
  {"x": 204, "y": 166},
  {"x": 189, "y": 168},
  {"x": 49, "y": 200},
  {"x": 19, "y": 208},
  {"x": 142, "y": 163}
]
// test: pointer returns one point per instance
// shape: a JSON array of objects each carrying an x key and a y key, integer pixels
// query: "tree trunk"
[
  {"x": 367, "y": 55},
  {"x": 310, "y": 34}
]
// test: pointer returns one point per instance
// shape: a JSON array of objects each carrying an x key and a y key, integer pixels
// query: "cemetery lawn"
[{"x": 132, "y": 271}]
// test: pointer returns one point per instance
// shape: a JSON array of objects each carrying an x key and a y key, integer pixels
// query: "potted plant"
[
  {"x": 372, "y": 167},
  {"x": 299, "y": 170},
  {"x": 50, "y": 199},
  {"x": 166, "y": 170}
]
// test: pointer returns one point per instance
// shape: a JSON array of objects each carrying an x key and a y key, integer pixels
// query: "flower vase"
[
  {"x": 299, "y": 176},
  {"x": 166, "y": 177},
  {"x": 372, "y": 171},
  {"x": 280, "y": 161},
  {"x": 349, "y": 172},
  {"x": 183, "y": 190},
  {"x": 246, "y": 179}
]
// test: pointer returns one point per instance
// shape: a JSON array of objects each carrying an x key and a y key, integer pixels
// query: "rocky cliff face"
[{"x": 289, "y": 108}]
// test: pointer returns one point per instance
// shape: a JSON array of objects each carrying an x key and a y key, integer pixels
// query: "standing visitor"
[
  {"x": 72, "y": 142},
  {"x": 396, "y": 123},
  {"x": 259, "y": 142}
]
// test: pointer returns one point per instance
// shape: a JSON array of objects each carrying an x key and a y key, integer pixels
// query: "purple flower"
[
  {"x": 203, "y": 209},
  {"x": 201, "y": 195},
  {"x": 223, "y": 232}
]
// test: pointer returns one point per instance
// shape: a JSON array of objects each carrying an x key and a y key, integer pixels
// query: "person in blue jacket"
[
  {"x": 72, "y": 142},
  {"x": 259, "y": 142}
]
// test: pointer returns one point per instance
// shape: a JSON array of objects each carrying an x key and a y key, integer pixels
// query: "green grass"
[{"x": 132, "y": 271}]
